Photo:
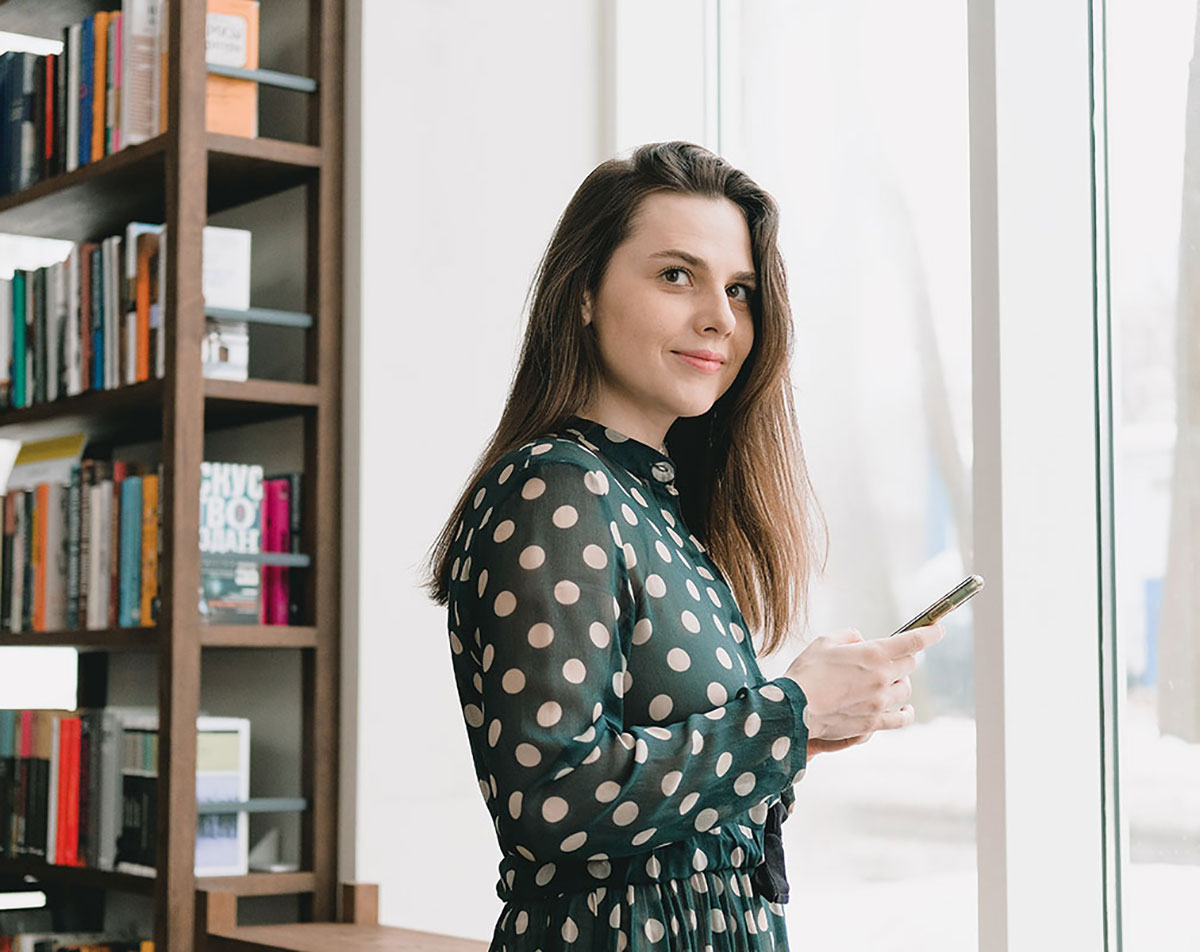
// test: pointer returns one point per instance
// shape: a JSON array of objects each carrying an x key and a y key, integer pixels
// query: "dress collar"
[{"x": 642, "y": 460}]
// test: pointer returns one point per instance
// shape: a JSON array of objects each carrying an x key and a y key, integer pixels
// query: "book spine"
[
  {"x": 99, "y": 82},
  {"x": 87, "y": 59},
  {"x": 84, "y": 557},
  {"x": 6, "y": 570},
  {"x": 114, "y": 551},
  {"x": 74, "y": 544},
  {"x": 39, "y": 336},
  {"x": 41, "y": 507},
  {"x": 149, "y": 579},
  {"x": 73, "y": 95},
  {"x": 295, "y": 510},
  {"x": 54, "y": 791},
  {"x": 131, "y": 551}
]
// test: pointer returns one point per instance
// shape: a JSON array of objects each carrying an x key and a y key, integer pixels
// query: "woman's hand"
[
  {"x": 819, "y": 746},
  {"x": 857, "y": 687}
]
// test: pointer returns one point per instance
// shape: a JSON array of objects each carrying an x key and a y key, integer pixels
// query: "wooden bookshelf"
[{"x": 181, "y": 177}]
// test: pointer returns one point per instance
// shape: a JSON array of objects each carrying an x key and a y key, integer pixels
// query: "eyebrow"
[{"x": 695, "y": 262}]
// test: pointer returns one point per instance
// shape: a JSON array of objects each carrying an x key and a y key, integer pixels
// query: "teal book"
[{"x": 131, "y": 553}]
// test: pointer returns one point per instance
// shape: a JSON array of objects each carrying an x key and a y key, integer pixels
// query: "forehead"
[{"x": 711, "y": 228}]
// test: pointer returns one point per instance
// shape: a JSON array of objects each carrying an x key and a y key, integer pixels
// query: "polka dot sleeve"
[{"x": 551, "y": 617}]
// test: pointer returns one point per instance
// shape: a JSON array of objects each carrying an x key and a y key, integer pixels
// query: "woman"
[{"x": 642, "y": 510}]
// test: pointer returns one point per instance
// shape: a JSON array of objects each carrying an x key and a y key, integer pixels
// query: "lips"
[{"x": 706, "y": 366}]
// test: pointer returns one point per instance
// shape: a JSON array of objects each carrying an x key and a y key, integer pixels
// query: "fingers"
[{"x": 913, "y": 641}]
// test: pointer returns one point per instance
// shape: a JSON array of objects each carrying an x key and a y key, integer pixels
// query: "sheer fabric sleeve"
[{"x": 570, "y": 775}]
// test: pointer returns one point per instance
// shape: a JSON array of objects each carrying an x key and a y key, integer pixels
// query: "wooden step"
[{"x": 217, "y": 929}]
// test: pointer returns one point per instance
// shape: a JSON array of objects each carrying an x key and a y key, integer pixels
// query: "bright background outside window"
[
  {"x": 1154, "y": 198},
  {"x": 864, "y": 144}
]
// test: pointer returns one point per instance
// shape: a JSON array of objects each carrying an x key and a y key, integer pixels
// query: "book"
[
  {"x": 130, "y": 582},
  {"x": 231, "y": 496},
  {"x": 222, "y": 775},
  {"x": 139, "y": 86},
  {"x": 276, "y": 538},
  {"x": 231, "y": 39}
]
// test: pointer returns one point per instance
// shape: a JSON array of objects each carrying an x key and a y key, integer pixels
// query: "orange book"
[
  {"x": 40, "y": 506},
  {"x": 231, "y": 105},
  {"x": 99, "y": 84},
  {"x": 149, "y": 545},
  {"x": 147, "y": 264}
]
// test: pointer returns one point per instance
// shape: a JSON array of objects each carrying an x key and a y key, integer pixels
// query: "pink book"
[{"x": 276, "y": 538}]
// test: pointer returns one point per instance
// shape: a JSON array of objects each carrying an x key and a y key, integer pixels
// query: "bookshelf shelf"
[
  {"x": 75, "y": 875},
  {"x": 258, "y": 636},
  {"x": 102, "y": 196},
  {"x": 252, "y": 884},
  {"x": 259, "y": 884},
  {"x": 134, "y": 412},
  {"x": 101, "y": 639}
]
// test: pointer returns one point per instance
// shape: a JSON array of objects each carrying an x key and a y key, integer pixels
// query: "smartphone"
[{"x": 947, "y": 603}]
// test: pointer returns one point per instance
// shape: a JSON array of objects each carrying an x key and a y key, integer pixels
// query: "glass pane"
[
  {"x": 864, "y": 144},
  {"x": 1153, "y": 91}
]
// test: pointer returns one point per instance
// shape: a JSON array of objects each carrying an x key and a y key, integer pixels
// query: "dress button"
[{"x": 663, "y": 472}]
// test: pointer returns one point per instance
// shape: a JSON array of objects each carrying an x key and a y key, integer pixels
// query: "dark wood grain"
[
  {"x": 322, "y": 507},
  {"x": 344, "y": 937},
  {"x": 183, "y": 450}
]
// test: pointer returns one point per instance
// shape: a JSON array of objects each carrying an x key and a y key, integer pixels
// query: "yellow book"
[
  {"x": 231, "y": 105},
  {"x": 99, "y": 83}
]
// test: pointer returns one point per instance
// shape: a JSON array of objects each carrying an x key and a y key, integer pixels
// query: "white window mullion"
[{"x": 1037, "y": 644}]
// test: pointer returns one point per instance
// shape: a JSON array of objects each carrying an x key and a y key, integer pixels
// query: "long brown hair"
[{"x": 743, "y": 484}]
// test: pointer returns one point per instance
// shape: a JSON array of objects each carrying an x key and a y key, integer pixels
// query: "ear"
[{"x": 587, "y": 308}]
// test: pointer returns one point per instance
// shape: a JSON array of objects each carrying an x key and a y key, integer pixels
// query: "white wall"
[{"x": 469, "y": 126}]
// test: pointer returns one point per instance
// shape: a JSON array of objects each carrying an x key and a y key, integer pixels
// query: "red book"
[
  {"x": 60, "y": 797},
  {"x": 70, "y": 845}
]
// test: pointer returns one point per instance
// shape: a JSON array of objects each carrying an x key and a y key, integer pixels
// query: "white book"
[
  {"x": 72, "y": 343},
  {"x": 100, "y": 516},
  {"x": 158, "y": 311},
  {"x": 226, "y": 273},
  {"x": 73, "y": 35},
  {"x": 6, "y": 330},
  {"x": 140, "y": 70},
  {"x": 18, "y": 555}
]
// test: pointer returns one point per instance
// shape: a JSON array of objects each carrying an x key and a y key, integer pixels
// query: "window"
[
  {"x": 865, "y": 147},
  {"x": 1153, "y": 143}
]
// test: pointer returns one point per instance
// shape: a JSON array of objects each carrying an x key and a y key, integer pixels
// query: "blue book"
[
  {"x": 18, "y": 339},
  {"x": 87, "y": 66},
  {"x": 131, "y": 553}
]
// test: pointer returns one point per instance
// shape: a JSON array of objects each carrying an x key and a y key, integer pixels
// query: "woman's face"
[{"x": 681, "y": 282}]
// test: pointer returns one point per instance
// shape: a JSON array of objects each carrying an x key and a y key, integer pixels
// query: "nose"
[{"x": 716, "y": 311}]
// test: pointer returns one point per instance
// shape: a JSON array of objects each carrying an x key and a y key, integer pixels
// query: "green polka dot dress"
[{"x": 626, "y": 743}]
